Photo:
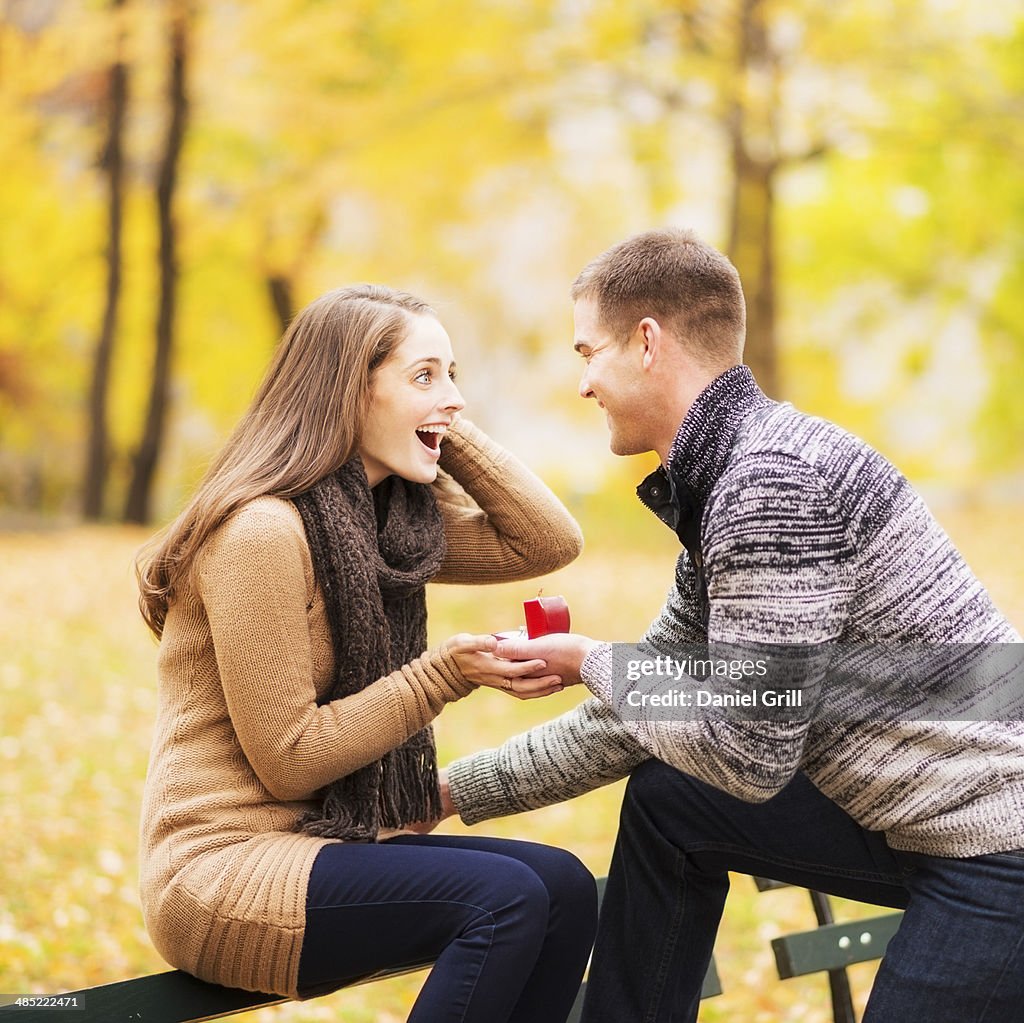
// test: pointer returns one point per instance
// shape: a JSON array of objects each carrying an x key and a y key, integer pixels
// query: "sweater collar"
[
  {"x": 700, "y": 451},
  {"x": 706, "y": 435}
]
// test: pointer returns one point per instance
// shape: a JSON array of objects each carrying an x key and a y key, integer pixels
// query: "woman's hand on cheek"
[{"x": 477, "y": 663}]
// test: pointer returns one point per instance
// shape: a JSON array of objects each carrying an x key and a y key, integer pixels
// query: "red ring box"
[{"x": 545, "y": 615}]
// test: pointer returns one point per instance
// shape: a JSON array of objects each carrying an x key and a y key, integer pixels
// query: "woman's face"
[{"x": 413, "y": 402}]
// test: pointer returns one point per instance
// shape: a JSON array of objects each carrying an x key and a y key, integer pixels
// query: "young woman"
[{"x": 293, "y": 747}]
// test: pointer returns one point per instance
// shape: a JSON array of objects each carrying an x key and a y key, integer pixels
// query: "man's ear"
[{"x": 652, "y": 338}]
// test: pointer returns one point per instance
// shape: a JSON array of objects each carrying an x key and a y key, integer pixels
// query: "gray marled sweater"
[{"x": 796, "y": 533}]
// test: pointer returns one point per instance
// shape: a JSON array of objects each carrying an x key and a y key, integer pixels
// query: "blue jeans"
[
  {"x": 958, "y": 956},
  {"x": 510, "y": 924}
]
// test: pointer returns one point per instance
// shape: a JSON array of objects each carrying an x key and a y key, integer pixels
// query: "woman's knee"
[
  {"x": 571, "y": 887},
  {"x": 513, "y": 896},
  {"x": 562, "y": 872}
]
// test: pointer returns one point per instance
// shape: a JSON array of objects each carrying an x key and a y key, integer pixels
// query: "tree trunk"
[
  {"x": 280, "y": 288},
  {"x": 112, "y": 162},
  {"x": 751, "y": 249},
  {"x": 754, "y": 165},
  {"x": 281, "y": 278},
  {"x": 137, "y": 506}
]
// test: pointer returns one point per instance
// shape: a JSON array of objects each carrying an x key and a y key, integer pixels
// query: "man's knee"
[
  {"x": 653, "y": 781},
  {"x": 666, "y": 800}
]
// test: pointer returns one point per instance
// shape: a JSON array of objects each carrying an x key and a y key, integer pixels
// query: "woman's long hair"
[{"x": 303, "y": 424}]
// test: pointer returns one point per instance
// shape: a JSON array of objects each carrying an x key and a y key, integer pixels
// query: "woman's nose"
[{"x": 453, "y": 400}]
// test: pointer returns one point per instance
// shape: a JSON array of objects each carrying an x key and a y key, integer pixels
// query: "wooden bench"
[
  {"x": 171, "y": 997},
  {"x": 831, "y": 947},
  {"x": 176, "y": 997}
]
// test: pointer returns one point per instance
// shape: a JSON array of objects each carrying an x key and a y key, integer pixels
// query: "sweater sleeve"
[
  {"x": 778, "y": 564},
  {"x": 502, "y": 524},
  {"x": 585, "y": 748},
  {"x": 253, "y": 584}
]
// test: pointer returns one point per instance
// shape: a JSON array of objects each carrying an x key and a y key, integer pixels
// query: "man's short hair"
[{"x": 674, "y": 277}]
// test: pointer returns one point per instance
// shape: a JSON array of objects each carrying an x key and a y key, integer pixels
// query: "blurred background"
[{"x": 180, "y": 176}]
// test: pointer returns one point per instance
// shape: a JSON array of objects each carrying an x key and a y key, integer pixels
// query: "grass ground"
[{"x": 77, "y": 700}]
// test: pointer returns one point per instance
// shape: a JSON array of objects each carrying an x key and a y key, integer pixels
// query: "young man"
[{"x": 796, "y": 537}]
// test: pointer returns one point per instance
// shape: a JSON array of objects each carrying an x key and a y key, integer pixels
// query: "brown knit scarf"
[{"x": 373, "y": 553}]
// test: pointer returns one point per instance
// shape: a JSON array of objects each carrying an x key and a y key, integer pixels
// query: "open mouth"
[{"x": 430, "y": 436}]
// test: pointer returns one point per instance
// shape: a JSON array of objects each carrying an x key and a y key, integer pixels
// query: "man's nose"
[{"x": 584, "y": 388}]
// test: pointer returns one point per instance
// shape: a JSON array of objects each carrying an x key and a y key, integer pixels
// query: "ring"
[{"x": 507, "y": 685}]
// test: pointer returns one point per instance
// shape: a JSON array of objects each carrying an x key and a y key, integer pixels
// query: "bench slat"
[
  {"x": 834, "y": 946},
  {"x": 712, "y": 985},
  {"x": 171, "y": 997}
]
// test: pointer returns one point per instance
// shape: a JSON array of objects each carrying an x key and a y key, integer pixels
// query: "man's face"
[{"x": 613, "y": 377}]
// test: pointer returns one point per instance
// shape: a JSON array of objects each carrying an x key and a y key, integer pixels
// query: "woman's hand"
[
  {"x": 447, "y": 807},
  {"x": 477, "y": 663}
]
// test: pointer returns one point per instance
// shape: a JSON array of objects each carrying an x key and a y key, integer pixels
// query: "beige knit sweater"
[{"x": 241, "y": 744}]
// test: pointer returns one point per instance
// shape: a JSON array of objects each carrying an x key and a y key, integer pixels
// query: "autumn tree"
[
  {"x": 860, "y": 163},
  {"x": 137, "y": 505},
  {"x": 112, "y": 163}
]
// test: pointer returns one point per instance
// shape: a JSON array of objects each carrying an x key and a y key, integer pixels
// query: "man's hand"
[{"x": 562, "y": 653}]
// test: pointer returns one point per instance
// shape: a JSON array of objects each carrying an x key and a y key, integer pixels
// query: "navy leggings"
[{"x": 510, "y": 924}]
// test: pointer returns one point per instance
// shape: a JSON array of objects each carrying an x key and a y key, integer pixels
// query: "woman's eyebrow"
[{"x": 431, "y": 360}]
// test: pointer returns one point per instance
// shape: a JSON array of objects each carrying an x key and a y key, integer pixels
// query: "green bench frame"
[
  {"x": 176, "y": 997},
  {"x": 830, "y": 947}
]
